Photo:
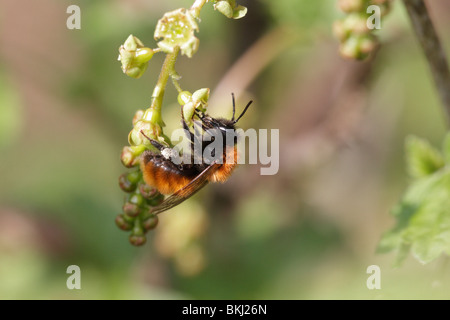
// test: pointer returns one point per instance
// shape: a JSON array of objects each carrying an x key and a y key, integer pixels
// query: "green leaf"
[
  {"x": 422, "y": 159},
  {"x": 423, "y": 220}
]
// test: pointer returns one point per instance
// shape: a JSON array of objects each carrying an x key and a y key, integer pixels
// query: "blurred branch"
[
  {"x": 253, "y": 61},
  {"x": 434, "y": 52}
]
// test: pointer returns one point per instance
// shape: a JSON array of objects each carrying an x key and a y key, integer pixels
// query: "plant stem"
[
  {"x": 168, "y": 69},
  {"x": 153, "y": 113},
  {"x": 196, "y": 7},
  {"x": 176, "y": 84},
  {"x": 428, "y": 38}
]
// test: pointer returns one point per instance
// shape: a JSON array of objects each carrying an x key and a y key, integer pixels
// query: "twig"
[{"x": 428, "y": 38}]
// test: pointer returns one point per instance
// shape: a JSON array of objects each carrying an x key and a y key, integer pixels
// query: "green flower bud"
[
  {"x": 132, "y": 43},
  {"x": 358, "y": 47},
  {"x": 147, "y": 192},
  {"x": 151, "y": 222},
  {"x": 188, "y": 111},
  {"x": 158, "y": 199},
  {"x": 128, "y": 157},
  {"x": 134, "y": 176},
  {"x": 184, "y": 97},
  {"x": 136, "y": 199},
  {"x": 356, "y": 23},
  {"x": 125, "y": 184},
  {"x": 135, "y": 137},
  {"x": 137, "y": 240},
  {"x": 134, "y": 57},
  {"x": 239, "y": 12},
  {"x": 177, "y": 28},
  {"x": 131, "y": 209},
  {"x": 229, "y": 9},
  {"x": 143, "y": 55},
  {"x": 368, "y": 44},
  {"x": 224, "y": 8},
  {"x": 122, "y": 223},
  {"x": 201, "y": 95},
  {"x": 138, "y": 116}
]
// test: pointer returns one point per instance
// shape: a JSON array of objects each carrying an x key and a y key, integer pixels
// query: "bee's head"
[{"x": 224, "y": 124}]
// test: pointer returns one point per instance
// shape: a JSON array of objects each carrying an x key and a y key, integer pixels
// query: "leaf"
[
  {"x": 423, "y": 220},
  {"x": 422, "y": 159}
]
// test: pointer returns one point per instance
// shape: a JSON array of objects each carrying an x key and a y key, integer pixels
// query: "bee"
[{"x": 183, "y": 180}]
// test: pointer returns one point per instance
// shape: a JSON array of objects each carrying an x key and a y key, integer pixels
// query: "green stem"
[
  {"x": 153, "y": 113},
  {"x": 167, "y": 70},
  {"x": 196, "y": 7},
  {"x": 176, "y": 84}
]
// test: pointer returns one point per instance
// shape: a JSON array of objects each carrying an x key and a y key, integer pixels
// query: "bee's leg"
[
  {"x": 189, "y": 134},
  {"x": 154, "y": 143},
  {"x": 234, "y": 106}
]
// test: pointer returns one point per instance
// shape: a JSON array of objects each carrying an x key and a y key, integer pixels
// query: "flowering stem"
[
  {"x": 196, "y": 7},
  {"x": 176, "y": 84},
  {"x": 429, "y": 40},
  {"x": 167, "y": 70}
]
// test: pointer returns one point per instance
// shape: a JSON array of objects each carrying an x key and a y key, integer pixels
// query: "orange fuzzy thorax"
[{"x": 223, "y": 171}]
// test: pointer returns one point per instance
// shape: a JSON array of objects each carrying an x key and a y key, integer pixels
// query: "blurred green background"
[{"x": 308, "y": 232}]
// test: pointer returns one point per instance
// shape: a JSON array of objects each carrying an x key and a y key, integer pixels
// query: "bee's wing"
[{"x": 184, "y": 193}]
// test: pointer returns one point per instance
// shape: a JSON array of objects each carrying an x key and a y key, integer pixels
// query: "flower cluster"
[{"x": 356, "y": 30}]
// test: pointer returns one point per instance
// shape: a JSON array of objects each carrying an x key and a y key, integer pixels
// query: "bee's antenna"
[
  {"x": 245, "y": 109},
  {"x": 234, "y": 106}
]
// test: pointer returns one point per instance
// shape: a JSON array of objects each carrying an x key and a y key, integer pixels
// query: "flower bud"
[
  {"x": 128, "y": 157},
  {"x": 201, "y": 95},
  {"x": 158, "y": 199},
  {"x": 356, "y": 23},
  {"x": 358, "y": 47},
  {"x": 184, "y": 97},
  {"x": 125, "y": 184},
  {"x": 131, "y": 209},
  {"x": 136, "y": 199},
  {"x": 135, "y": 176},
  {"x": 147, "y": 192},
  {"x": 239, "y": 12},
  {"x": 134, "y": 57},
  {"x": 122, "y": 223},
  {"x": 151, "y": 222},
  {"x": 138, "y": 116},
  {"x": 136, "y": 138},
  {"x": 137, "y": 240},
  {"x": 224, "y": 8},
  {"x": 230, "y": 9},
  {"x": 188, "y": 111},
  {"x": 143, "y": 55}
]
